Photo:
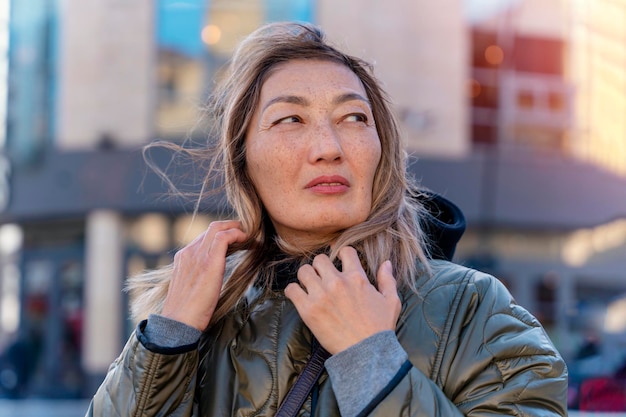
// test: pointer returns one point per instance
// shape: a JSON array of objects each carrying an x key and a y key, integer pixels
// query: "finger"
[
  {"x": 224, "y": 238},
  {"x": 349, "y": 259},
  {"x": 217, "y": 227},
  {"x": 296, "y": 294},
  {"x": 387, "y": 285},
  {"x": 208, "y": 243},
  {"x": 218, "y": 249},
  {"x": 205, "y": 238},
  {"x": 324, "y": 266},
  {"x": 308, "y": 278}
]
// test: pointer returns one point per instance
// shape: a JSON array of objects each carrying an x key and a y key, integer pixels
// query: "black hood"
[{"x": 444, "y": 225}]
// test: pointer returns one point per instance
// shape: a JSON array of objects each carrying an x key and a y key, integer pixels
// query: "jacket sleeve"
[
  {"x": 496, "y": 360},
  {"x": 147, "y": 380}
]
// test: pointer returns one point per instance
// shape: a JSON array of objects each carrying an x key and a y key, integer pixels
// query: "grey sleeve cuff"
[
  {"x": 360, "y": 373},
  {"x": 168, "y": 333}
]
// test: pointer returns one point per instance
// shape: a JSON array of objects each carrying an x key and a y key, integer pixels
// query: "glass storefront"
[
  {"x": 42, "y": 354},
  {"x": 43, "y": 281},
  {"x": 32, "y": 79}
]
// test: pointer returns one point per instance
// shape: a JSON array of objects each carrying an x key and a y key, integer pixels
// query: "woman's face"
[{"x": 312, "y": 150}]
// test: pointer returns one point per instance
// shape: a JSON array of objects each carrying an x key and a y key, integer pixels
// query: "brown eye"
[
  {"x": 356, "y": 117},
  {"x": 288, "y": 119}
]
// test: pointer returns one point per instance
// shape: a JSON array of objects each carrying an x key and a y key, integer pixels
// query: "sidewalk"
[
  {"x": 77, "y": 408},
  {"x": 43, "y": 408}
]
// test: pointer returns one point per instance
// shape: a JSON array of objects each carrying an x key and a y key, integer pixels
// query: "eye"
[
  {"x": 288, "y": 119},
  {"x": 356, "y": 117}
]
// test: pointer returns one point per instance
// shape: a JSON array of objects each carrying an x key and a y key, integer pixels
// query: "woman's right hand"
[{"x": 198, "y": 274}]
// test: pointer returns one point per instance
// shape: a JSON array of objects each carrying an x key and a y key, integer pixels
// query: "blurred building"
[
  {"x": 596, "y": 66},
  {"x": 549, "y": 218},
  {"x": 497, "y": 111},
  {"x": 419, "y": 50}
]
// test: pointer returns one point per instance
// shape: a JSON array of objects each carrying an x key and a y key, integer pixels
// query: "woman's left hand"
[{"x": 342, "y": 307}]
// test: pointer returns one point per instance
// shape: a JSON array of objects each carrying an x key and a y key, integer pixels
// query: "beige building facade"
[
  {"x": 596, "y": 65},
  {"x": 419, "y": 50}
]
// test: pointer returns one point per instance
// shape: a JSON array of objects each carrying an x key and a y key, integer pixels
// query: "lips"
[
  {"x": 328, "y": 181},
  {"x": 328, "y": 185}
]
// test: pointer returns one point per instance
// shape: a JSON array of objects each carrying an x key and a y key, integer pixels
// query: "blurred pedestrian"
[{"x": 18, "y": 364}]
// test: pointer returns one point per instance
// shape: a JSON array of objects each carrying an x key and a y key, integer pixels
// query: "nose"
[{"x": 325, "y": 143}]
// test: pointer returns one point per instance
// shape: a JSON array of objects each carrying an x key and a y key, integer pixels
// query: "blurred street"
[
  {"x": 77, "y": 408},
  {"x": 514, "y": 110},
  {"x": 43, "y": 408}
]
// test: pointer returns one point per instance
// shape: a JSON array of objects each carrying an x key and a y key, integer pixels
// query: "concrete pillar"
[
  {"x": 524, "y": 292},
  {"x": 565, "y": 303},
  {"x": 104, "y": 311}
]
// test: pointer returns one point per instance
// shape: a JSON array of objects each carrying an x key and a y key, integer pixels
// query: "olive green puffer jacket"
[{"x": 474, "y": 352}]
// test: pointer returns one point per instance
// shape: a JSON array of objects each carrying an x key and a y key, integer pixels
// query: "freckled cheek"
[
  {"x": 374, "y": 158},
  {"x": 272, "y": 167},
  {"x": 368, "y": 157}
]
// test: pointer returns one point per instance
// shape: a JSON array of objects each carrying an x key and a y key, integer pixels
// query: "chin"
[{"x": 339, "y": 226}]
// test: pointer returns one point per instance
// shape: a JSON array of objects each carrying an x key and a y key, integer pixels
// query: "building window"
[
  {"x": 525, "y": 99},
  {"x": 195, "y": 38},
  {"x": 556, "y": 101},
  {"x": 32, "y": 79}
]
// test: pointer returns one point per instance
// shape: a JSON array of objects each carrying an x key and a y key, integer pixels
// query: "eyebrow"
[
  {"x": 349, "y": 97},
  {"x": 291, "y": 99},
  {"x": 286, "y": 99}
]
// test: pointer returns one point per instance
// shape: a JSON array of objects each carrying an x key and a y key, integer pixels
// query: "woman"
[{"x": 328, "y": 247}]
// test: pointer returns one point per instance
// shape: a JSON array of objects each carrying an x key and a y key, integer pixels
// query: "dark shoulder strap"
[{"x": 299, "y": 392}]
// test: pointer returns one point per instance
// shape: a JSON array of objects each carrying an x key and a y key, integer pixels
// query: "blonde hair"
[{"x": 393, "y": 229}]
